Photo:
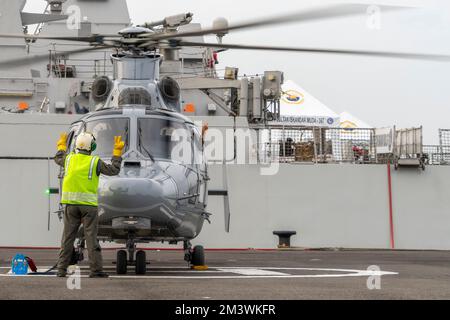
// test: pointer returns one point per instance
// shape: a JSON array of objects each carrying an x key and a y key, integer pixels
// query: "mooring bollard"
[{"x": 284, "y": 238}]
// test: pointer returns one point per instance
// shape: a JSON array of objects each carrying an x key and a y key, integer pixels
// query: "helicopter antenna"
[{"x": 171, "y": 22}]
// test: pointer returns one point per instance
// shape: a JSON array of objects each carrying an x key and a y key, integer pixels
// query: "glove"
[
  {"x": 62, "y": 142},
  {"x": 205, "y": 129},
  {"x": 119, "y": 145}
]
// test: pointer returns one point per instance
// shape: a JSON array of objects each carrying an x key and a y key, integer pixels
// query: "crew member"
[{"x": 79, "y": 195}]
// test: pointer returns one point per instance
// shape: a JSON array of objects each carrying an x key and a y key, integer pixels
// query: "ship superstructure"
[{"x": 303, "y": 174}]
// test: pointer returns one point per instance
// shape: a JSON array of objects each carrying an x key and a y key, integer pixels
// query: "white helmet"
[{"x": 86, "y": 141}]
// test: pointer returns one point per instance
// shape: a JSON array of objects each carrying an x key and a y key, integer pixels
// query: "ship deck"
[{"x": 244, "y": 275}]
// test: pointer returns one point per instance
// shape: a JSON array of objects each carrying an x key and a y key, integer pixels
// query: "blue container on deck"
[{"x": 19, "y": 265}]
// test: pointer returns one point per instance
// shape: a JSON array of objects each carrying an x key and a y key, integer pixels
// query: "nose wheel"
[
  {"x": 125, "y": 259},
  {"x": 195, "y": 257},
  {"x": 122, "y": 263},
  {"x": 141, "y": 264}
]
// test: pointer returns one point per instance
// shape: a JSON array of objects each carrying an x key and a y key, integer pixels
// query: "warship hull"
[{"x": 327, "y": 205}]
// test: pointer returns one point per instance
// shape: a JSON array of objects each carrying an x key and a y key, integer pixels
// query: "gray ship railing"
[
  {"x": 338, "y": 145},
  {"x": 437, "y": 154},
  {"x": 319, "y": 145},
  {"x": 63, "y": 67}
]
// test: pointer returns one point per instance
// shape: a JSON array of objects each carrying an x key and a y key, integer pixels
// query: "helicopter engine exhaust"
[
  {"x": 170, "y": 91},
  {"x": 101, "y": 88}
]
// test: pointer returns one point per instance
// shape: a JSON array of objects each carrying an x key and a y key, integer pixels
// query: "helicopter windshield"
[
  {"x": 165, "y": 139},
  {"x": 105, "y": 130}
]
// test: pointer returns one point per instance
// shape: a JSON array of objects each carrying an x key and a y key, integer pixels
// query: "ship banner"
[{"x": 307, "y": 121}]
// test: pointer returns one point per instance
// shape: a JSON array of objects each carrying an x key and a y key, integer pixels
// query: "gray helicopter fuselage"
[{"x": 160, "y": 193}]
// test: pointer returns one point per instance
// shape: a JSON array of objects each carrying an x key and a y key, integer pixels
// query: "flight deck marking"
[
  {"x": 239, "y": 273},
  {"x": 254, "y": 272}
]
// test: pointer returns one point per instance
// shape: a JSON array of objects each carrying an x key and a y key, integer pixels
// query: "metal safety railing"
[
  {"x": 444, "y": 137},
  {"x": 444, "y": 146},
  {"x": 61, "y": 66},
  {"x": 318, "y": 145},
  {"x": 359, "y": 146},
  {"x": 434, "y": 155}
]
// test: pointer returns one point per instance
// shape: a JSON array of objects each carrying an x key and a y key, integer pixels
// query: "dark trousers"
[{"x": 74, "y": 216}]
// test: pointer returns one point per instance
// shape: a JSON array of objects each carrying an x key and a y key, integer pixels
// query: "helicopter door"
[
  {"x": 191, "y": 165},
  {"x": 199, "y": 164}
]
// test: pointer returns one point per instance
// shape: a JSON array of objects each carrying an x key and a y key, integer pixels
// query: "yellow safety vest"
[{"x": 80, "y": 185}]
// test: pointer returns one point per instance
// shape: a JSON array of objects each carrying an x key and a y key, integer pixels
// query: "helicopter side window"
[
  {"x": 165, "y": 139},
  {"x": 105, "y": 130}
]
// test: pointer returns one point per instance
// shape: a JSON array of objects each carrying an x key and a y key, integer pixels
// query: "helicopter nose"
[{"x": 130, "y": 195}]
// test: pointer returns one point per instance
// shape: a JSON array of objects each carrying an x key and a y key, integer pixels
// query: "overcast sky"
[{"x": 380, "y": 91}]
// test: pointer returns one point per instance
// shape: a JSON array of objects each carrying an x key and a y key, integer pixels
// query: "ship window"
[
  {"x": 165, "y": 139},
  {"x": 105, "y": 130},
  {"x": 135, "y": 96}
]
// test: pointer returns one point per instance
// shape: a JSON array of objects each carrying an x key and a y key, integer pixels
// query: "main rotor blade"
[
  {"x": 403, "y": 55},
  {"x": 43, "y": 57},
  {"x": 91, "y": 39},
  {"x": 317, "y": 14}
]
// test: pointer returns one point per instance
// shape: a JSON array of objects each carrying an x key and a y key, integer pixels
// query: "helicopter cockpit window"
[
  {"x": 105, "y": 130},
  {"x": 165, "y": 139},
  {"x": 72, "y": 136},
  {"x": 135, "y": 96}
]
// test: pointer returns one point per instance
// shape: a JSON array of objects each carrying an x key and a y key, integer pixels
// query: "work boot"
[
  {"x": 61, "y": 274},
  {"x": 98, "y": 274}
]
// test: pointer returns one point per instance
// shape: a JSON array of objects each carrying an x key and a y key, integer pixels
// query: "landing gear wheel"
[
  {"x": 198, "y": 256},
  {"x": 121, "y": 265},
  {"x": 141, "y": 264}
]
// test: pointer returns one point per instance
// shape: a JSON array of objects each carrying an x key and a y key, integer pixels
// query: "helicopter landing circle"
[{"x": 227, "y": 273}]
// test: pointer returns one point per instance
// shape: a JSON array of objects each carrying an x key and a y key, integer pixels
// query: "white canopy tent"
[
  {"x": 300, "y": 108},
  {"x": 349, "y": 121},
  {"x": 354, "y": 128}
]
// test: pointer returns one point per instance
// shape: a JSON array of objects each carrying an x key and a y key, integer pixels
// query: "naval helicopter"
[{"x": 161, "y": 193}]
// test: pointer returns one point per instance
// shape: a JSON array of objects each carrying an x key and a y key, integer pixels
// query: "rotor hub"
[{"x": 134, "y": 32}]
